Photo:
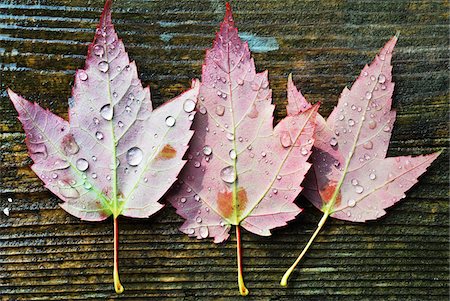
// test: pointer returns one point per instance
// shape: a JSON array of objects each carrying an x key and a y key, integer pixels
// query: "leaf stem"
[
  {"x": 117, "y": 286},
  {"x": 242, "y": 289},
  {"x": 305, "y": 249}
]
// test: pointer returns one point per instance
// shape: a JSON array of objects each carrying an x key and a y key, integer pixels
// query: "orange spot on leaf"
[
  {"x": 225, "y": 202},
  {"x": 327, "y": 193},
  {"x": 168, "y": 152}
]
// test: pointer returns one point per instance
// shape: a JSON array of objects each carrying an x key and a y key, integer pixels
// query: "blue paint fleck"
[
  {"x": 165, "y": 37},
  {"x": 259, "y": 44}
]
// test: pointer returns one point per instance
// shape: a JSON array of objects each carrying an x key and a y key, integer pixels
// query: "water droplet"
[
  {"x": 253, "y": 112},
  {"x": 108, "y": 177},
  {"x": 382, "y": 56},
  {"x": 67, "y": 190},
  {"x": 197, "y": 164},
  {"x": 94, "y": 175},
  {"x": 203, "y": 231},
  {"x": 387, "y": 128},
  {"x": 87, "y": 185},
  {"x": 183, "y": 200},
  {"x": 275, "y": 191},
  {"x": 359, "y": 189},
  {"x": 228, "y": 175},
  {"x": 383, "y": 87},
  {"x": 198, "y": 219},
  {"x": 170, "y": 121},
  {"x": 372, "y": 176},
  {"x": 82, "y": 75},
  {"x": 381, "y": 78},
  {"x": 191, "y": 117},
  {"x": 189, "y": 105},
  {"x": 341, "y": 117},
  {"x": 115, "y": 94},
  {"x": 351, "y": 122},
  {"x": 232, "y": 154},
  {"x": 372, "y": 124},
  {"x": 220, "y": 110},
  {"x": 351, "y": 203},
  {"x": 103, "y": 66},
  {"x": 230, "y": 136},
  {"x": 207, "y": 150},
  {"x": 82, "y": 164},
  {"x": 134, "y": 156},
  {"x": 372, "y": 77},
  {"x": 368, "y": 95},
  {"x": 190, "y": 231},
  {"x": 304, "y": 151},
  {"x": 120, "y": 124},
  {"x": 202, "y": 110},
  {"x": 197, "y": 198},
  {"x": 285, "y": 139},
  {"x": 106, "y": 112},
  {"x": 408, "y": 164},
  {"x": 70, "y": 146},
  {"x": 99, "y": 50},
  {"x": 333, "y": 141},
  {"x": 368, "y": 145},
  {"x": 355, "y": 182},
  {"x": 365, "y": 73},
  {"x": 263, "y": 154},
  {"x": 240, "y": 81},
  {"x": 99, "y": 135},
  {"x": 54, "y": 176}
]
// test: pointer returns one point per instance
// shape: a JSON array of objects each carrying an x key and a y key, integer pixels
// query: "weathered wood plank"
[{"x": 45, "y": 254}]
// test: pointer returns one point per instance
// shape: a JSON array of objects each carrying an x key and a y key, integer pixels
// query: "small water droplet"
[
  {"x": 220, "y": 110},
  {"x": 368, "y": 145},
  {"x": 190, "y": 231},
  {"x": 228, "y": 175},
  {"x": 240, "y": 81},
  {"x": 232, "y": 154},
  {"x": 372, "y": 78},
  {"x": 383, "y": 87},
  {"x": 359, "y": 189},
  {"x": 106, "y": 112},
  {"x": 54, "y": 176},
  {"x": 382, "y": 56},
  {"x": 372, "y": 176},
  {"x": 408, "y": 164},
  {"x": 99, "y": 135},
  {"x": 115, "y": 94},
  {"x": 230, "y": 136},
  {"x": 82, "y": 75},
  {"x": 197, "y": 164},
  {"x": 134, "y": 156},
  {"x": 202, "y": 110},
  {"x": 94, "y": 175},
  {"x": 189, "y": 105},
  {"x": 372, "y": 124},
  {"x": 82, "y": 164},
  {"x": 304, "y": 151},
  {"x": 99, "y": 50},
  {"x": 285, "y": 139},
  {"x": 351, "y": 203},
  {"x": 263, "y": 154},
  {"x": 203, "y": 231},
  {"x": 253, "y": 112},
  {"x": 103, "y": 66},
  {"x": 183, "y": 200},
  {"x": 368, "y": 95},
  {"x": 365, "y": 73},
  {"x": 333, "y": 141},
  {"x": 197, "y": 198},
  {"x": 355, "y": 182},
  {"x": 120, "y": 124},
  {"x": 198, "y": 219},
  {"x": 108, "y": 177},
  {"x": 341, "y": 117}
]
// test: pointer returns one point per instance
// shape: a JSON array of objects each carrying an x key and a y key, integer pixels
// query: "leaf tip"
[{"x": 228, "y": 14}]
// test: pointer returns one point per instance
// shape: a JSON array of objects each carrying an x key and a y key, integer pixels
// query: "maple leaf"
[
  {"x": 116, "y": 156},
  {"x": 241, "y": 170},
  {"x": 351, "y": 178}
]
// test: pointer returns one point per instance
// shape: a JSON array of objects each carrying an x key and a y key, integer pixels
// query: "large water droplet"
[
  {"x": 70, "y": 146},
  {"x": 82, "y": 75},
  {"x": 230, "y": 136},
  {"x": 220, "y": 110},
  {"x": 134, "y": 156},
  {"x": 285, "y": 139},
  {"x": 99, "y": 50},
  {"x": 351, "y": 203},
  {"x": 368, "y": 145},
  {"x": 372, "y": 176},
  {"x": 232, "y": 154},
  {"x": 359, "y": 189},
  {"x": 381, "y": 78},
  {"x": 40, "y": 150},
  {"x": 253, "y": 112},
  {"x": 189, "y": 105},
  {"x": 372, "y": 124},
  {"x": 82, "y": 164},
  {"x": 106, "y": 112},
  {"x": 103, "y": 66},
  {"x": 304, "y": 151},
  {"x": 351, "y": 122},
  {"x": 203, "y": 231},
  {"x": 333, "y": 141},
  {"x": 170, "y": 121},
  {"x": 207, "y": 150},
  {"x": 190, "y": 231},
  {"x": 228, "y": 175},
  {"x": 368, "y": 95}
]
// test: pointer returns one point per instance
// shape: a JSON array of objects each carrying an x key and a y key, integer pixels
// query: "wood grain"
[{"x": 46, "y": 254}]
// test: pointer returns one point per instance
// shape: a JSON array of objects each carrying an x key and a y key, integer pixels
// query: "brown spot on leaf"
[
  {"x": 225, "y": 202},
  {"x": 168, "y": 152},
  {"x": 327, "y": 192},
  {"x": 69, "y": 145}
]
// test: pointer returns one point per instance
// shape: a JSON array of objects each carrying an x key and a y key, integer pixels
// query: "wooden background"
[{"x": 46, "y": 254}]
